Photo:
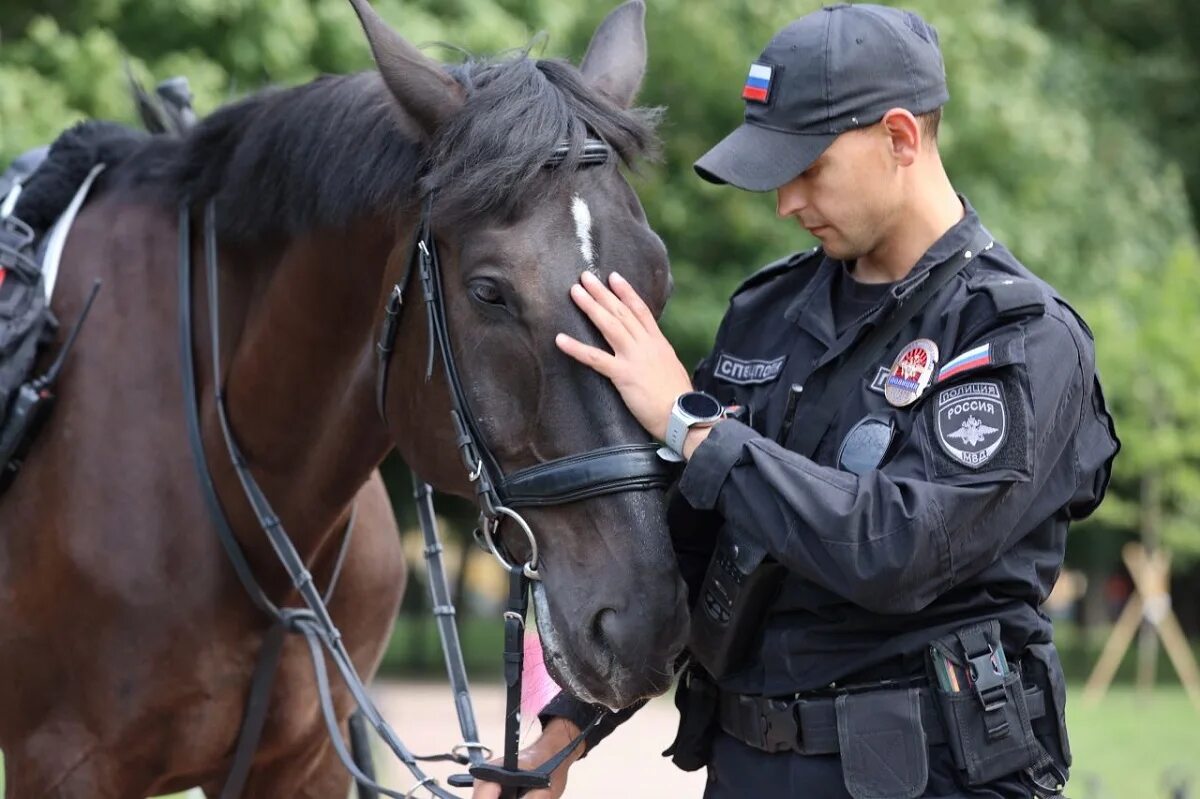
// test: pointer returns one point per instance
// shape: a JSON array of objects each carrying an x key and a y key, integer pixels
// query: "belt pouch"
[
  {"x": 882, "y": 742},
  {"x": 982, "y": 704},
  {"x": 696, "y": 700},
  {"x": 1041, "y": 668}
]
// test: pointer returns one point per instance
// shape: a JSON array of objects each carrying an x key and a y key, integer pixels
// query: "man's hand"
[
  {"x": 558, "y": 733},
  {"x": 643, "y": 365}
]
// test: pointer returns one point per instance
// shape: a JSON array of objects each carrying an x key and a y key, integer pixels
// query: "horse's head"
[{"x": 513, "y": 235}]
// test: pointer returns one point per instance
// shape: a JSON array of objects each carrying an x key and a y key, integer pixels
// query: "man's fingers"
[
  {"x": 485, "y": 790},
  {"x": 612, "y": 303},
  {"x": 625, "y": 292},
  {"x": 586, "y": 354},
  {"x": 614, "y": 332}
]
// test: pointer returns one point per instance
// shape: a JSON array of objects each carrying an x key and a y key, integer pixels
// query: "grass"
[{"x": 1129, "y": 744}]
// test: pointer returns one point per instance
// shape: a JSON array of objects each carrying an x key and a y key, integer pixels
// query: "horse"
[{"x": 127, "y": 643}]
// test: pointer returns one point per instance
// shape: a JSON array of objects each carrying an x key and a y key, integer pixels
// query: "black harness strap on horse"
[
  {"x": 444, "y": 614},
  {"x": 314, "y": 622},
  {"x": 191, "y": 400},
  {"x": 257, "y": 704}
]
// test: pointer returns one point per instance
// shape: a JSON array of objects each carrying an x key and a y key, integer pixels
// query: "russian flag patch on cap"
[{"x": 758, "y": 84}]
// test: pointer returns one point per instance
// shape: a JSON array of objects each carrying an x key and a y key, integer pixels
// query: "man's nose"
[{"x": 789, "y": 199}]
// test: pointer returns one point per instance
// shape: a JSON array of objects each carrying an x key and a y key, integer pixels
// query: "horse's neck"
[{"x": 299, "y": 375}]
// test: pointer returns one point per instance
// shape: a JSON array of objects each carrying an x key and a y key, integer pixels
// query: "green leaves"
[{"x": 1056, "y": 134}]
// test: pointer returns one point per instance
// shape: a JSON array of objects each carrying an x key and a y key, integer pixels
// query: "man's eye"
[{"x": 487, "y": 293}]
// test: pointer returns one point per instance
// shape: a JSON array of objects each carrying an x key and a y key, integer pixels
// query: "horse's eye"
[{"x": 487, "y": 293}]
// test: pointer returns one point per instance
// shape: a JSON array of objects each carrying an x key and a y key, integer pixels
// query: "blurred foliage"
[
  {"x": 1066, "y": 129},
  {"x": 1148, "y": 58}
]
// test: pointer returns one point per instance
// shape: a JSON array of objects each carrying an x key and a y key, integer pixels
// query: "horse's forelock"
[{"x": 487, "y": 157}]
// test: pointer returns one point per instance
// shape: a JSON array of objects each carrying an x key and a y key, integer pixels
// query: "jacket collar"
[{"x": 812, "y": 309}]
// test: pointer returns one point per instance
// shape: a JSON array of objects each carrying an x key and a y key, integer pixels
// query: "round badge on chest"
[{"x": 911, "y": 373}]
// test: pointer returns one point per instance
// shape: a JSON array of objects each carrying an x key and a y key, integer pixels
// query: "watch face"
[{"x": 699, "y": 405}]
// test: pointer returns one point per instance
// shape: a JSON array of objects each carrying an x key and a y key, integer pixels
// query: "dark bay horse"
[{"x": 126, "y": 641}]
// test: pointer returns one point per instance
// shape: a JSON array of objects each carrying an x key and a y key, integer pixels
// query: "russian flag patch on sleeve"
[
  {"x": 758, "y": 84},
  {"x": 971, "y": 359}
]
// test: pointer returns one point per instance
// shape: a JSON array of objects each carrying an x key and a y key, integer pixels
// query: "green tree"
[
  {"x": 1087, "y": 194},
  {"x": 1147, "y": 55}
]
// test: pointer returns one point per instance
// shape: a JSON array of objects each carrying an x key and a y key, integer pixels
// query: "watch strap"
[{"x": 677, "y": 430}]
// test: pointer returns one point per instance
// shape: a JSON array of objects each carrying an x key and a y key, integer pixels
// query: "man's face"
[{"x": 849, "y": 197}]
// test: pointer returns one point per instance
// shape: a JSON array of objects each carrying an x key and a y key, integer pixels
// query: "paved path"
[{"x": 627, "y": 764}]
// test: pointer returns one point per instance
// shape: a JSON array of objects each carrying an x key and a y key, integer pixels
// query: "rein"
[
  {"x": 598, "y": 472},
  {"x": 312, "y": 621}
]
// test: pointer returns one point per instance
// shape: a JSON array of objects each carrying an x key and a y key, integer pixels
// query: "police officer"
[{"x": 884, "y": 451}]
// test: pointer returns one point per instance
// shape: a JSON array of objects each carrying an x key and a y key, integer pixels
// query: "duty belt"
[{"x": 808, "y": 725}]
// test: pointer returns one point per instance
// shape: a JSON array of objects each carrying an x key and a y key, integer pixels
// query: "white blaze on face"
[{"x": 583, "y": 229}]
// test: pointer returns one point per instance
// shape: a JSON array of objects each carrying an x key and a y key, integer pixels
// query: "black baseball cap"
[{"x": 836, "y": 69}]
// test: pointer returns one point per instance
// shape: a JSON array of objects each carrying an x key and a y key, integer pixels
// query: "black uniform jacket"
[{"x": 965, "y": 516}]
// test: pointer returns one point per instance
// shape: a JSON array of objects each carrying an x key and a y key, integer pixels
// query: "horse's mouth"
[{"x": 599, "y": 679}]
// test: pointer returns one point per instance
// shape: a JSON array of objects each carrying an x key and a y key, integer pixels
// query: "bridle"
[
  {"x": 598, "y": 472},
  {"x": 606, "y": 470}
]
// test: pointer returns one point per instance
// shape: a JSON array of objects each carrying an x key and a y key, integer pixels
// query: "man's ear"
[{"x": 904, "y": 134}]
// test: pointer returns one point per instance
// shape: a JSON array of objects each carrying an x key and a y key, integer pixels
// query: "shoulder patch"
[
  {"x": 972, "y": 421},
  {"x": 1011, "y": 295},
  {"x": 777, "y": 268},
  {"x": 980, "y": 426}
]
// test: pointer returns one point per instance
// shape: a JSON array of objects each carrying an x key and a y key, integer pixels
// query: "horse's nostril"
[
  {"x": 616, "y": 634},
  {"x": 599, "y": 636}
]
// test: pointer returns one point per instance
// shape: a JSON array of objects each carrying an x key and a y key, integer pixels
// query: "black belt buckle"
[
  {"x": 989, "y": 688},
  {"x": 779, "y": 724}
]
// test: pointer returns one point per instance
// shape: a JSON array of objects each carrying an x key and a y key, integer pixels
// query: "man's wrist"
[
  {"x": 559, "y": 732},
  {"x": 695, "y": 438}
]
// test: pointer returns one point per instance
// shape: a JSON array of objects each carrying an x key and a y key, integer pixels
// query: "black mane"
[{"x": 323, "y": 154}]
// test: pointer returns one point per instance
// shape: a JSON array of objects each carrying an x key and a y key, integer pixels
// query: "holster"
[
  {"x": 731, "y": 608},
  {"x": 984, "y": 708},
  {"x": 696, "y": 700}
]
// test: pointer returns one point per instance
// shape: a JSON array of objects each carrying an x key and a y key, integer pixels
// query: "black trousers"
[{"x": 738, "y": 771}]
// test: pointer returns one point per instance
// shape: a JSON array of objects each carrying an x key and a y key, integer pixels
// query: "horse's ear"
[
  {"x": 425, "y": 90},
  {"x": 616, "y": 58}
]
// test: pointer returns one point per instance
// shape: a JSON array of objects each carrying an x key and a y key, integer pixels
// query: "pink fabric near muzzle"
[{"x": 537, "y": 686}]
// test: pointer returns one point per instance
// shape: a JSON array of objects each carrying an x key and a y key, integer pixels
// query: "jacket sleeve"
[
  {"x": 896, "y": 538},
  {"x": 564, "y": 705}
]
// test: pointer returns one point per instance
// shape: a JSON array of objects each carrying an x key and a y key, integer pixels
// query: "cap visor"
[{"x": 760, "y": 159}]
